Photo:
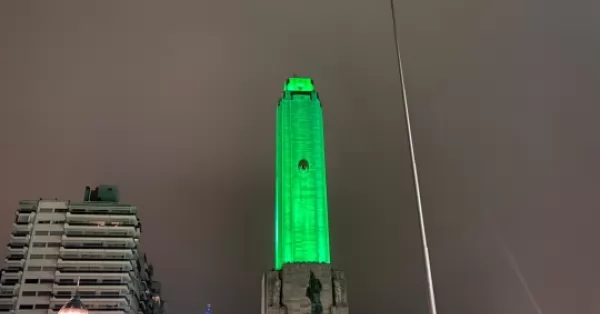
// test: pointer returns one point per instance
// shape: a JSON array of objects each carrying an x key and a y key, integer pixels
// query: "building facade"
[
  {"x": 302, "y": 281},
  {"x": 60, "y": 248}
]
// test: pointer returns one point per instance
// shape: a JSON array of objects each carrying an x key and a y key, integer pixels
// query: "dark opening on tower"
[{"x": 303, "y": 166}]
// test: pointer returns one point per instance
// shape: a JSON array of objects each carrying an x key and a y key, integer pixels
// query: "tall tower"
[
  {"x": 301, "y": 223},
  {"x": 302, "y": 281}
]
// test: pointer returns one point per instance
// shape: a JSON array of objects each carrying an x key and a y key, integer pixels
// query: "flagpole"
[{"x": 415, "y": 173}]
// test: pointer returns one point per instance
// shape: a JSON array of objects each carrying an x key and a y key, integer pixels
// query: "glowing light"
[
  {"x": 74, "y": 306},
  {"x": 301, "y": 215}
]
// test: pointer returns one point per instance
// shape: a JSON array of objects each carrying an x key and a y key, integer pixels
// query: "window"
[
  {"x": 58, "y": 222},
  {"x": 39, "y": 244},
  {"x": 63, "y": 294},
  {"x": 56, "y": 233},
  {"x": 42, "y": 306},
  {"x": 44, "y": 293},
  {"x": 53, "y": 244},
  {"x": 29, "y": 293},
  {"x": 51, "y": 256},
  {"x": 46, "y": 210},
  {"x": 34, "y": 268},
  {"x": 109, "y": 294},
  {"x": 31, "y": 281},
  {"x": 36, "y": 256},
  {"x": 46, "y": 280},
  {"x": 41, "y": 233},
  {"x": 26, "y": 307},
  {"x": 43, "y": 222},
  {"x": 49, "y": 268},
  {"x": 93, "y": 244}
]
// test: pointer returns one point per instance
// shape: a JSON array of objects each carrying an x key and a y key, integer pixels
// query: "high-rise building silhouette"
[
  {"x": 302, "y": 281},
  {"x": 63, "y": 254}
]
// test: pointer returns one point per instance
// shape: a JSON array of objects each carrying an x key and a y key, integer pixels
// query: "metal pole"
[{"x": 415, "y": 173}]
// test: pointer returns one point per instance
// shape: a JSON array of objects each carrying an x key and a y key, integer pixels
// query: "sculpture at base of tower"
[{"x": 313, "y": 292}]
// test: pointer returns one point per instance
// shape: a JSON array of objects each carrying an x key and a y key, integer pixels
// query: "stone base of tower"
[{"x": 304, "y": 288}]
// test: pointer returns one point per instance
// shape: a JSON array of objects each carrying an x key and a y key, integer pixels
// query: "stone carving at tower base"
[{"x": 289, "y": 291}]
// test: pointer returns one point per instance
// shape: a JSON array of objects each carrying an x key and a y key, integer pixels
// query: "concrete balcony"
[
  {"x": 14, "y": 263},
  {"x": 22, "y": 227},
  {"x": 11, "y": 276},
  {"x": 8, "y": 301},
  {"x": 102, "y": 219},
  {"x": 99, "y": 312},
  {"x": 102, "y": 229},
  {"x": 123, "y": 277},
  {"x": 95, "y": 265},
  {"x": 11, "y": 290},
  {"x": 122, "y": 290},
  {"x": 103, "y": 254},
  {"x": 17, "y": 250},
  {"x": 96, "y": 303},
  {"x": 19, "y": 239},
  {"x": 74, "y": 242}
]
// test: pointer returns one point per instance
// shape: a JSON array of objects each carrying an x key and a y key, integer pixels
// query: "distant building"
[{"x": 60, "y": 249}]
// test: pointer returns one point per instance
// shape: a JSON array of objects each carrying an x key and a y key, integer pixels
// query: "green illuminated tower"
[
  {"x": 301, "y": 216},
  {"x": 303, "y": 281}
]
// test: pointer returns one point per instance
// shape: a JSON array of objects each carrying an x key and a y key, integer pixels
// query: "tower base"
[{"x": 304, "y": 288}]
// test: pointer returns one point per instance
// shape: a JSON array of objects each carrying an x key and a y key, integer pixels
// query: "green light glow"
[
  {"x": 299, "y": 84},
  {"x": 301, "y": 216}
]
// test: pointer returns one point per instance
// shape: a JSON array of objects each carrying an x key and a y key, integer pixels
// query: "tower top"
[{"x": 299, "y": 84}]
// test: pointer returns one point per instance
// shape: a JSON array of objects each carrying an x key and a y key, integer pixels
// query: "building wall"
[{"x": 56, "y": 244}]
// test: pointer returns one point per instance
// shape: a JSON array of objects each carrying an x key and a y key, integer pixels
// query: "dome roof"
[{"x": 74, "y": 306}]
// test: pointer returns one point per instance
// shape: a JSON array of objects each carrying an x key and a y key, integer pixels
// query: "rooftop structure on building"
[{"x": 67, "y": 256}]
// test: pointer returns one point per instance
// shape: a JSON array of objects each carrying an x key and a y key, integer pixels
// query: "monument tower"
[{"x": 302, "y": 281}]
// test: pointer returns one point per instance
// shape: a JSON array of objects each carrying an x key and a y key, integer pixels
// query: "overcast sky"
[{"x": 175, "y": 102}]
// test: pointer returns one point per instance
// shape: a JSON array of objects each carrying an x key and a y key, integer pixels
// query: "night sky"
[{"x": 175, "y": 102}]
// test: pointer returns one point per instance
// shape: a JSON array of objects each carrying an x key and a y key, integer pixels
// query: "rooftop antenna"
[{"x": 415, "y": 173}]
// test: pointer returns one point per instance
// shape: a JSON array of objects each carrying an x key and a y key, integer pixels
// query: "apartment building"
[{"x": 61, "y": 251}]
